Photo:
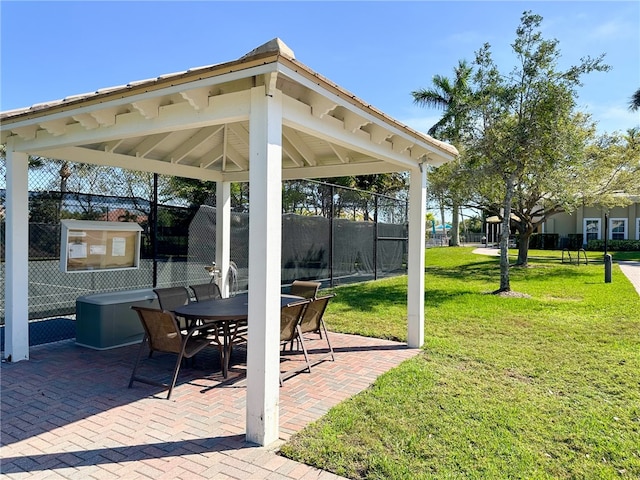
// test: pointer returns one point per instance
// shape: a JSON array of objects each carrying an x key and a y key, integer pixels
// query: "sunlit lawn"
[{"x": 540, "y": 387}]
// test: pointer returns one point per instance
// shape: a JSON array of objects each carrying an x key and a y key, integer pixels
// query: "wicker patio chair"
[
  {"x": 290, "y": 316},
  {"x": 304, "y": 288},
  {"x": 162, "y": 334}
]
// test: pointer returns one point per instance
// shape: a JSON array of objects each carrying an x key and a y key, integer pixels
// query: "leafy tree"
[
  {"x": 390, "y": 184},
  {"x": 453, "y": 97},
  {"x": 634, "y": 103},
  {"x": 612, "y": 170},
  {"x": 528, "y": 142},
  {"x": 197, "y": 192},
  {"x": 473, "y": 224}
]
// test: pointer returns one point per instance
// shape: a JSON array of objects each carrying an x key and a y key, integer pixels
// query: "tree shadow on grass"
[{"x": 365, "y": 297}]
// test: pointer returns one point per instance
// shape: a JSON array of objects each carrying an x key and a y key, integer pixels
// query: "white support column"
[
  {"x": 17, "y": 257},
  {"x": 223, "y": 234},
  {"x": 265, "y": 239},
  {"x": 416, "y": 264}
]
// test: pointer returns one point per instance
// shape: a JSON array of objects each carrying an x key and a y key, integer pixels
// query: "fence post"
[
  {"x": 154, "y": 229},
  {"x": 331, "y": 212},
  {"x": 375, "y": 237}
]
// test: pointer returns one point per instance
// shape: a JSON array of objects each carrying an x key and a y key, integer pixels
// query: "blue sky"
[{"x": 379, "y": 51}]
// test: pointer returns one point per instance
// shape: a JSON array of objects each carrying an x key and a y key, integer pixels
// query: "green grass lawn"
[{"x": 541, "y": 387}]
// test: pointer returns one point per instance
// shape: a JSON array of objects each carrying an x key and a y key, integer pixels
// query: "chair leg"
[
  {"x": 138, "y": 357},
  {"x": 326, "y": 335},
  {"x": 304, "y": 348},
  {"x": 176, "y": 371}
]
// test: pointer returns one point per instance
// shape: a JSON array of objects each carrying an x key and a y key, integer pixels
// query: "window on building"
[
  {"x": 618, "y": 228},
  {"x": 638, "y": 228},
  {"x": 591, "y": 229}
]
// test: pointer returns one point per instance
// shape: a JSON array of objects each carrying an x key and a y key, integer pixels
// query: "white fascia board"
[
  {"x": 96, "y": 157},
  {"x": 393, "y": 129},
  {"x": 232, "y": 107},
  {"x": 297, "y": 115},
  {"x": 7, "y": 124}
]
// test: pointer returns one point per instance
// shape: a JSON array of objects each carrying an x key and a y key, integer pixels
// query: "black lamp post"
[
  {"x": 606, "y": 231},
  {"x": 607, "y": 257}
]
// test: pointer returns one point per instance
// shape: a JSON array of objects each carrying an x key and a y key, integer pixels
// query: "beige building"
[{"x": 624, "y": 223}]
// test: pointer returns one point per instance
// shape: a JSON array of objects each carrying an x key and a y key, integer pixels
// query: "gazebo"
[{"x": 262, "y": 119}]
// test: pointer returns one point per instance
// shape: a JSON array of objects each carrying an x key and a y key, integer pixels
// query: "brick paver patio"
[{"x": 67, "y": 413}]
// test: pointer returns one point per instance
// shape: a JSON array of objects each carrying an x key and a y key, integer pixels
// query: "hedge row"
[{"x": 614, "y": 245}]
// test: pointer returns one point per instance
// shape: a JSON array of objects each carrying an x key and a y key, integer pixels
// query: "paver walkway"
[{"x": 67, "y": 414}]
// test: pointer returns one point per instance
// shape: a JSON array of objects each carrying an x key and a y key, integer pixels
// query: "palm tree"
[
  {"x": 634, "y": 103},
  {"x": 451, "y": 96}
]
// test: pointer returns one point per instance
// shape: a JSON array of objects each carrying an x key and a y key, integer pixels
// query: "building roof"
[{"x": 195, "y": 123}]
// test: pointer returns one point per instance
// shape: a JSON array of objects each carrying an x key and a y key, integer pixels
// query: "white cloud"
[{"x": 611, "y": 119}]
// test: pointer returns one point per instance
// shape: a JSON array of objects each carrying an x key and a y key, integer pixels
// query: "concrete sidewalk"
[{"x": 632, "y": 272}]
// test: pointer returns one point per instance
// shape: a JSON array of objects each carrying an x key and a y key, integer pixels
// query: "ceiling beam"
[
  {"x": 341, "y": 153},
  {"x": 192, "y": 143},
  {"x": 291, "y": 152},
  {"x": 327, "y": 171},
  {"x": 297, "y": 115},
  {"x": 147, "y": 145},
  {"x": 233, "y": 155},
  {"x": 214, "y": 155},
  {"x": 368, "y": 112},
  {"x": 297, "y": 143},
  {"x": 239, "y": 131},
  {"x": 97, "y": 157}
]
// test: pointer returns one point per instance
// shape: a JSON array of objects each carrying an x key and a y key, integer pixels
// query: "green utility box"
[{"x": 105, "y": 320}]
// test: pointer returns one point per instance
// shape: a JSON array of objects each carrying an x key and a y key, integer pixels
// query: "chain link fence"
[{"x": 330, "y": 233}]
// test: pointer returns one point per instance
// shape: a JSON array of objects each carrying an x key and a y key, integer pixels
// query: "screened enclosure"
[{"x": 330, "y": 233}]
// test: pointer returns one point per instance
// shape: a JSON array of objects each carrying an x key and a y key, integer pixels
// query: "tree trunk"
[
  {"x": 444, "y": 230},
  {"x": 523, "y": 246},
  {"x": 504, "y": 237},
  {"x": 455, "y": 225}
]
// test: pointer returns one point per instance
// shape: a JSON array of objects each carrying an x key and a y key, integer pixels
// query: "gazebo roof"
[{"x": 195, "y": 124}]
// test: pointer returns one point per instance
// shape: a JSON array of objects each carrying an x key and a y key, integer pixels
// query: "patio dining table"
[{"x": 229, "y": 314}]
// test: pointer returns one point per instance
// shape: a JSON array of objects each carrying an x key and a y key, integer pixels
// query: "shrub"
[
  {"x": 614, "y": 245},
  {"x": 544, "y": 241},
  {"x": 575, "y": 241}
]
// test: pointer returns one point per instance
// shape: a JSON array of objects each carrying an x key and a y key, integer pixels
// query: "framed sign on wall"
[{"x": 99, "y": 246}]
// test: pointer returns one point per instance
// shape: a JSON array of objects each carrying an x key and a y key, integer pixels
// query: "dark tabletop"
[{"x": 233, "y": 308}]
